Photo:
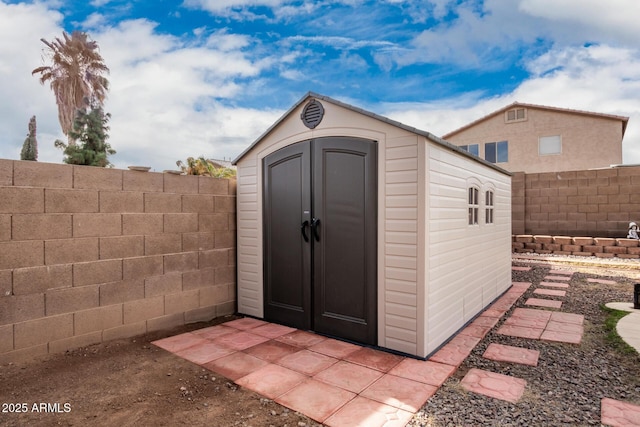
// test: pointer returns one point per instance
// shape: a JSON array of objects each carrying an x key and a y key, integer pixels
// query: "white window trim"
[
  {"x": 516, "y": 120},
  {"x": 549, "y": 154}
]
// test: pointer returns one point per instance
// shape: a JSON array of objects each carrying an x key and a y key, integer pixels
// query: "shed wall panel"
[{"x": 469, "y": 265}]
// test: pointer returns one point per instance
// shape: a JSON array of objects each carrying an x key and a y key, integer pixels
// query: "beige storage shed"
[{"x": 359, "y": 227}]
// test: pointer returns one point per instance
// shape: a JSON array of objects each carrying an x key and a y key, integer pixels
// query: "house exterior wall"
[
  {"x": 588, "y": 141},
  {"x": 404, "y": 241},
  {"x": 468, "y": 266},
  {"x": 90, "y": 254}
]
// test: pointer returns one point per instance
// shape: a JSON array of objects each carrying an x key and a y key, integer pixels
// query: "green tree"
[
  {"x": 204, "y": 167},
  {"x": 75, "y": 74},
  {"x": 90, "y": 131},
  {"x": 30, "y": 146}
]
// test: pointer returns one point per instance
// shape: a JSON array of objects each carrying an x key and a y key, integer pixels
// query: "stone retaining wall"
[{"x": 601, "y": 247}]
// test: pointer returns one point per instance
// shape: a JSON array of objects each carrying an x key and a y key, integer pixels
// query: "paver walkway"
[
  {"x": 342, "y": 384},
  {"x": 527, "y": 323},
  {"x": 331, "y": 381}
]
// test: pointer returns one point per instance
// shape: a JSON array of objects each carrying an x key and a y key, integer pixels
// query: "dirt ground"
[{"x": 131, "y": 382}]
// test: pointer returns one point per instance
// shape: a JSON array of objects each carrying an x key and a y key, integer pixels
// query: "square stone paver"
[
  {"x": 363, "y": 412},
  {"x": 240, "y": 340},
  {"x": 531, "y": 313},
  {"x": 520, "y": 286},
  {"x": 374, "y": 359},
  {"x": 563, "y": 272},
  {"x": 619, "y": 414},
  {"x": 307, "y": 362},
  {"x": 236, "y": 365},
  {"x": 540, "y": 302},
  {"x": 315, "y": 399},
  {"x": 572, "y": 328},
  {"x": 561, "y": 278},
  {"x": 245, "y": 323},
  {"x": 550, "y": 292},
  {"x": 578, "y": 319},
  {"x": 426, "y": 372},
  {"x": 520, "y": 331},
  {"x": 205, "y": 352},
  {"x": 558, "y": 336},
  {"x": 494, "y": 385},
  {"x": 455, "y": 351},
  {"x": 555, "y": 285},
  {"x": 349, "y": 376},
  {"x": 180, "y": 342},
  {"x": 401, "y": 393},
  {"x": 271, "y": 380},
  {"x": 507, "y": 353},
  {"x": 301, "y": 339},
  {"x": 214, "y": 332}
]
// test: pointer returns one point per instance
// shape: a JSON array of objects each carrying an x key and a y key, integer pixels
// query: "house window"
[
  {"x": 496, "y": 152},
  {"x": 516, "y": 115},
  {"x": 471, "y": 148},
  {"x": 488, "y": 205},
  {"x": 549, "y": 145},
  {"x": 473, "y": 205}
]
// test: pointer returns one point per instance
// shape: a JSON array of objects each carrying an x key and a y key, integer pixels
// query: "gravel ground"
[{"x": 570, "y": 380}]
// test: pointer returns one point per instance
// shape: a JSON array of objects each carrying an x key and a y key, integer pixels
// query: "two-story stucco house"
[{"x": 534, "y": 138}]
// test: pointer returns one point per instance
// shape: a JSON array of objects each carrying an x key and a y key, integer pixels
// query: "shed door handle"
[
  {"x": 315, "y": 222},
  {"x": 303, "y": 229}
]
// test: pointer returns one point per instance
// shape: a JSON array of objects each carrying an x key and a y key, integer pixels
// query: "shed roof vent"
[{"x": 312, "y": 114}]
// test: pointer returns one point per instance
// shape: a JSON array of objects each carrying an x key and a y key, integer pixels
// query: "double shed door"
[{"x": 320, "y": 232}]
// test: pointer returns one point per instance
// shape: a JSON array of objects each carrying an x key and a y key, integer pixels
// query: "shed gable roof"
[
  {"x": 428, "y": 135},
  {"x": 622, "y": 119}
]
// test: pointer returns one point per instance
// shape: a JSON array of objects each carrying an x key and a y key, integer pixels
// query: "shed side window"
[
  {"x": 473, "y": 205},
  {"x": 488, "y": 204}
]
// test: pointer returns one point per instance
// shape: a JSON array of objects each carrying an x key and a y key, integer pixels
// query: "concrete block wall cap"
[
  {"x": 630, "y": 243},
  {"x": 543, "y": 239}
]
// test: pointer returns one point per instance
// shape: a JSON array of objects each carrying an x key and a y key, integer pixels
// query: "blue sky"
[{"x": 207, "y": 77}]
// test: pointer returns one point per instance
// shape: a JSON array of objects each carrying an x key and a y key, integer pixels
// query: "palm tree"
[{"x": 76, "y": 75}]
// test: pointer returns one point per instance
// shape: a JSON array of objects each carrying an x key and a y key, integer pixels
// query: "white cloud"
[
  {"x": 601, "y": 79},
  {"x": 167, "y": 95},
  {"x": 21, "y": 27},
  {"x": 219, "y": 6},
  {"x": 614, "y": 19}
]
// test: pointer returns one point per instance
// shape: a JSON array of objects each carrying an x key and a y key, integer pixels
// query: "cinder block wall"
[
  {"x": 595, "y": 203},
  {"x": 90, "y": 254}
]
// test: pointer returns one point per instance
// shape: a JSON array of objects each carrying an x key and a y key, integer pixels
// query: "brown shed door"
[{"x": 320, "y": 237}]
